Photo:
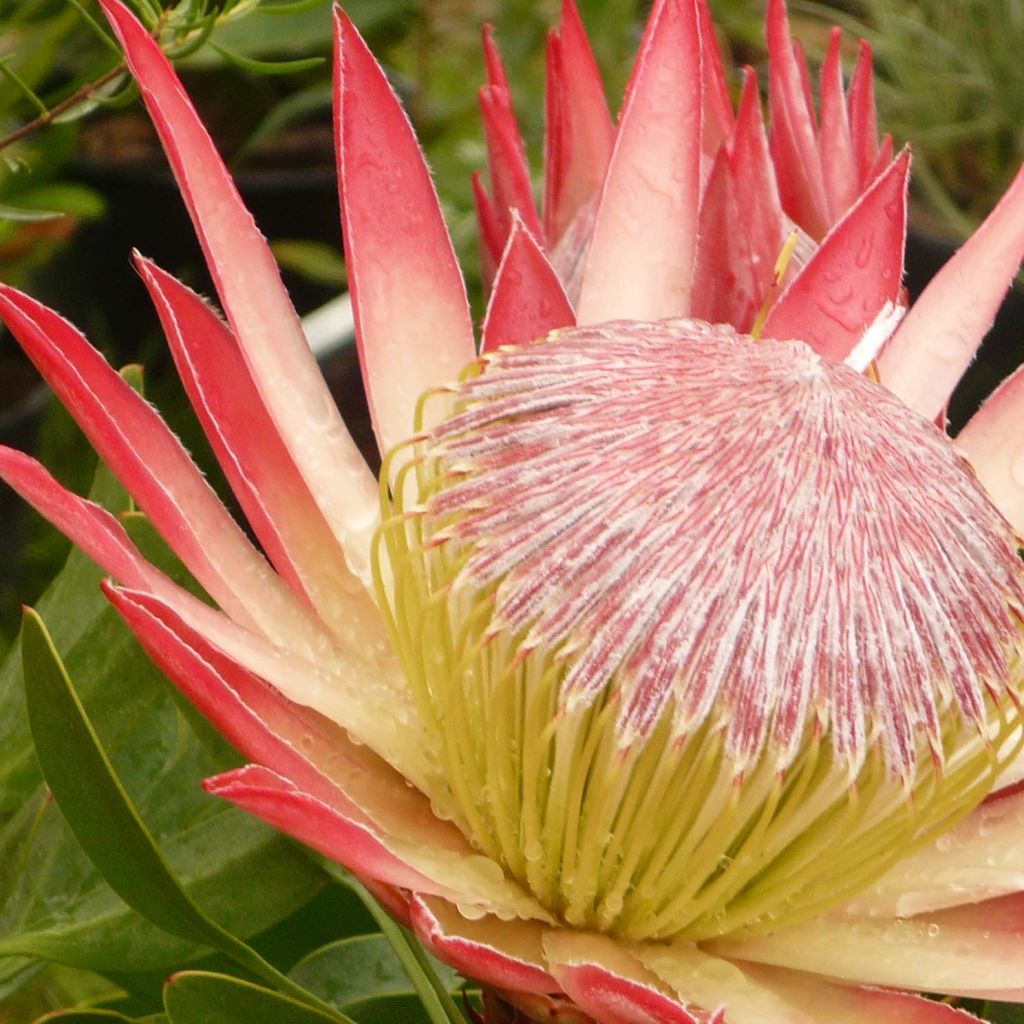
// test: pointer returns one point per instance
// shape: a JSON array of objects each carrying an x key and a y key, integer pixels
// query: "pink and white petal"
[
  {"x": 1003, "y": 914},
  {"x": 93, "y": 529},
  {"x": 88, "y": 525},
  {"x": 1011, "y": 781},
  {"x": 837, "y": 160},
  {"x": 755, "y": 188},
  {"x": 394, "y": 900},
  {"x": 510, "y": 172},
  {"x": 854, "y": 275},
  {"x": 261, "y": 471},
  {"x": 427, "y": 856},
  {"x": 941, "y": 333},
  {"x": 255, "y": 301},
  {"x": 641, "y": 259},
  {"x": 885, "y": 156},
  {"x": 993, "y": 442},
  {"x": 820, "y": 1000},
  {"x": 263, "y": 725},
  {"x": 413, "y": 325},
  {"x": 579, "y": 133},
  {"x": 794, "y": 142},
  {"x": 863, "y": 115},
  {"x": 527, "y": 300},
  {"x": 569, "y": 257},
  {"x": 492, "y": 239},
  {"x": 920, "y": 954},
  {"x": 227, "y": 681},
  {"x": 725, "y": 288},
  {"x": 980, "y": 858},
  {"x": 360, "y": 698},
  {"x": 534, "y": 1007},
  {"x": 502, "y": 954},
  {"x": 221, "y": 392},
  {"x": 291, "y": 725},
  {"x": 280, "y": 803},
  {"x": 613, "y": 986},
  {"x": 148, "y": 459},
  {"x": 705, "y": 980},
  {"x": 743, "y": 228},
  {"x": 103, "y": 538},
  {"x": 719, "y": 118}
]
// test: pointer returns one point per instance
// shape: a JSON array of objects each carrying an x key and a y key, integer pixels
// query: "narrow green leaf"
[
  {"x": 90, "y": 795},
  {"x": 268, "y": 67},
  {"x": 23, "y": 87},
  {"x": 361, "y": 967},
  {"x": 26, "y": 216},
  {"x": 87, "y": 1017},
  {"x": 75, "y": 606},
  {"x": 196, "y": 997},
  {"x": 313, "y": 99},
  {"x": 93, "y": 24},
  {"x": 195, "y": 38},
  {"x": 15, "y": 973},
  {"x": 292, "y": 7},
  {"x": 101, "y": 813},
  {"x": 58, "y": 199},
  {"x": 389, "y": 1010},
  {"x": 316, "y": 261},
  {"x": 53, "y": 902},
  {"x": 416, "y": 963}
]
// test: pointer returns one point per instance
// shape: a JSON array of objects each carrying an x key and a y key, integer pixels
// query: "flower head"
[{"x": 663, "y": 674}]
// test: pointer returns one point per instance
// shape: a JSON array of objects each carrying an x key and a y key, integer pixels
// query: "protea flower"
[{"x": 669, "y": 673}]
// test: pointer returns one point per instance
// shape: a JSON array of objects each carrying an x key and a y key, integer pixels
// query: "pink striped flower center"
[{"x": 689, "y": 612}]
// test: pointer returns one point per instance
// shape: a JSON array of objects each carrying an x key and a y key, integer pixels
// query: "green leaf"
[
  {"x": 87, "y": 1017},
  {"x": 62, "y": 909},
  {"x": 23, "y": 215},
  {"x": 315, "y": 261},
  {"x": 102, "y": 815},
  {"x": 389, "y": 1009},
  {"x": 418, "y": 965},
  {"x": 359, "y": 968},
  {"x": 195, "y": 997},
  {"x": 22, "y": 86},
  {"x": 291, "y": 6},
  {"x": 93, "y": 800},
  {"x": 53, "y": 901},
  {"x": 269, "y": 67},
  {"x": 86, "y": 630},
  {"x": 15, "y": 972},
  {"x": 66, "y": 199}
]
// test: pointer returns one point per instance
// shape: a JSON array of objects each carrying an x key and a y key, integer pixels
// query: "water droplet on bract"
[
  {"x": 1017, "y": 467},
  {"x": 867, "y": 246},
  {"x": 949, "y": 346},
  {"x": 533, "y": 851},
  {"x": 840, "y": 293},
  {"x": 933, "y": 931},
  {"x": 472, "y": 912}
]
